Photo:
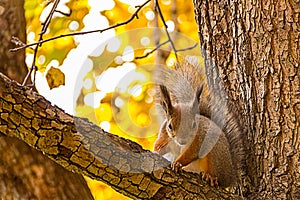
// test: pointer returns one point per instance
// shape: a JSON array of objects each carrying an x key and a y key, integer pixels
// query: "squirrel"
[{"x": 199, "y": 133}]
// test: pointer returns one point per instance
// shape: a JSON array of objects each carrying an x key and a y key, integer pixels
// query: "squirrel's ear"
[
  {"x": 197, "y": 96},
  {"x": 166, "y": 100},
  {"x": 199, "y": 91}
]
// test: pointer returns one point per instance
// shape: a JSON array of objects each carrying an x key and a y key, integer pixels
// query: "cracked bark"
[{"x": 251, "y": 51}]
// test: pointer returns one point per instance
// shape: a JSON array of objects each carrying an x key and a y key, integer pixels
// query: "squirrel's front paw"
[
  {"x": 213, "y": 181},
  {"x": 176, "y": 166}
]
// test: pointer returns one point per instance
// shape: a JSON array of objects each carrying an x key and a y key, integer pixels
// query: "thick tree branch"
[{"x": 83, "y": 147}]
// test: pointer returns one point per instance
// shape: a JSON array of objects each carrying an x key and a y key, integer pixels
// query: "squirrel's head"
[{"x": 182, "y": 120}]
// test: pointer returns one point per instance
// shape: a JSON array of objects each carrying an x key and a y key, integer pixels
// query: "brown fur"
[{"x": 206, "y": 129}]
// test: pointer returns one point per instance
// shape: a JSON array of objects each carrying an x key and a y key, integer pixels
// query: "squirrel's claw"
[
  {"x": 213, "y": 181},
  {"x": 176, "y": 166}
]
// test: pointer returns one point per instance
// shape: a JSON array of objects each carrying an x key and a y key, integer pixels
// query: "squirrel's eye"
[{"x": 170, "y": 126}]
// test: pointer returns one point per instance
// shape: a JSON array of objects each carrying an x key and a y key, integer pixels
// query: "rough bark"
[
  {"x": 26, "y": 173},
  {"x": 12, "y": 23},
  {"x": 251, "y": 50},
  {"x": 83, "y": 147}
]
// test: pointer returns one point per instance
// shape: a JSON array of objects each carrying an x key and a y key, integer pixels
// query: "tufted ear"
[
  {"x": 197, "y": 96},
  {"x": 166, "y": 100},
  {"x": 197, "y": 119}
]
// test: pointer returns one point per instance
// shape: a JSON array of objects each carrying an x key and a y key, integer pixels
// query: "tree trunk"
[
  {"x": 12, "y": 23},
  {"x": 252, "y": 49},
  {"x": 26, "y": 173}
]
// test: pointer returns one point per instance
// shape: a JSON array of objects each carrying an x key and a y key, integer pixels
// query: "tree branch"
[
  {"x": 157, "y": 7},
  {"x": 85, "y": 148},
  {"x": 45, "y": 24},
  {"x": 134, "y": 15},
  {"x": 22, "y": 45},
  {"x": 150, "y": 52}
]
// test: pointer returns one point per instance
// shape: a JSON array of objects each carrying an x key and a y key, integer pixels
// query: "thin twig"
[
  {"x": 43, "y": 31},
  {"x": 157, "y": 7},
  {"x": 134, "y": 15},
  {"x": 188, "y": 48},
  {"x": 63, "y": 13},
  {"x": 16, "y": 41},
  {"x": 49, "y": 17},
  {"x": 166, "y": 26},
  {"x": 150, "y": 52}
]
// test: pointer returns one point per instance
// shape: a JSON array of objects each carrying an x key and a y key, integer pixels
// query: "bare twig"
[
  {"x": 166, "y": 26},
  {"x": 48, "y": 19},
  {"x": 150, "y": 52},
  {"x": 161, "y": 44},
  {"x": 188, "y": 48},
  {"x": 63, "y": 13},
  {"x": 158, "y": 45},
  {"x": 45, "y": 24},
  {"x": 17, "y": 41},
  {"x": 134, "y": 15}
]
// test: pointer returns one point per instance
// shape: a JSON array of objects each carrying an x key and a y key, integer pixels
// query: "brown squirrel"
[{"x": 198, "y": 134}]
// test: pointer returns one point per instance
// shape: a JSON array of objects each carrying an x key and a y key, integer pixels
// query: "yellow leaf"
[{"x": 55, "y": 77}]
